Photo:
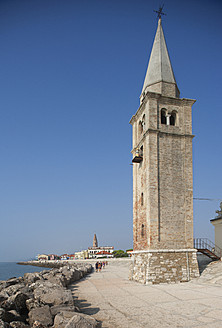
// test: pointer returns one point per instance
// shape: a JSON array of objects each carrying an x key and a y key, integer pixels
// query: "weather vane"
[{"x": 160, "y": 12}]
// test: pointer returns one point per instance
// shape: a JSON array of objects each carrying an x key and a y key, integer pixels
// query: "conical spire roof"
[{"x": 159, "y": 68}]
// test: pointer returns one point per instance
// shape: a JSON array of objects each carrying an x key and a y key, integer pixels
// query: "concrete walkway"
[{"x": 119, "y": 303}]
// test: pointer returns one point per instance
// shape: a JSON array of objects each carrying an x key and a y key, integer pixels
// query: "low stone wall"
[
  {"x": 43, "y": 299},
  {"x": 164, "y": 266}
]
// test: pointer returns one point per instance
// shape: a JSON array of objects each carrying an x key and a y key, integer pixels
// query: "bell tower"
[
  {"x": 95, "y": 242},
  {"x": 162, "y": 176}
]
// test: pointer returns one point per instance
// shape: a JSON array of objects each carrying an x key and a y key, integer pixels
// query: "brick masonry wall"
[
  {"x": 164, "y": 177},
  {"x": 164, "y": 266}
]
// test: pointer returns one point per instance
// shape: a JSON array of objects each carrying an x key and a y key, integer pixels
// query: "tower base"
[{"x": 164, "y": 266}]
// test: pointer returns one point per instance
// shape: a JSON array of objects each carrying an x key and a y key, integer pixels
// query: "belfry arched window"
[
  {"x": 142, "y": 230},
  {"x": 163, "y": 116},
  {"x": 140, "y": 127},
  {"x": 173, "y": 118},
  {"x": 143, "y": 121}
]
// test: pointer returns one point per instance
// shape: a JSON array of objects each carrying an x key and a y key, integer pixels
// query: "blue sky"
[{"x": 71, "y": 73}]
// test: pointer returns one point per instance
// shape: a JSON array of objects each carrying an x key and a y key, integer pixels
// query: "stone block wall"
[{"x": 164, "y": 266}]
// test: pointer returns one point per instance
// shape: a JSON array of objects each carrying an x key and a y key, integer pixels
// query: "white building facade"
[{"x": 93, "y": 251}]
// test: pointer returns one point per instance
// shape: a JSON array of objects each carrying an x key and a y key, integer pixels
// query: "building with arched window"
[{"x": 162, "y": 176}]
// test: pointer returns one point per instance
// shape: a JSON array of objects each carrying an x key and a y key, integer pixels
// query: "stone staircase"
[{"x": 208, "y": 248}]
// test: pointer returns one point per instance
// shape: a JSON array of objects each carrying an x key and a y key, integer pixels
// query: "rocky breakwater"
[{"x": 42, "y": 299}]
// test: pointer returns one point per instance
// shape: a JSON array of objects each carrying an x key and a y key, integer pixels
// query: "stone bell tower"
[
  {"x": 95, "y": 242},
  {"x": 162, "y": 176}
]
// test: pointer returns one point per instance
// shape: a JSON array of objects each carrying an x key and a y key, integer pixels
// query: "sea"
[{"x": 12, "y": 269}]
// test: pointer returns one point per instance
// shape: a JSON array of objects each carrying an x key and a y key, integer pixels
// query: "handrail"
[{"x": 205, "y": 243}]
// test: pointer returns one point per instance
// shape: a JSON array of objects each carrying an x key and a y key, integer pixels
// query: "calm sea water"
[{"x": 11, "y": 269}]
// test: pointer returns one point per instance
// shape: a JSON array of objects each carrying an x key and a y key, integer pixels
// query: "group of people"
[{"x": 100, "y": 265}]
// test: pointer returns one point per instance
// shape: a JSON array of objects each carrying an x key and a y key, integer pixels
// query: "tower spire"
[{"x": 159, "y": 76}]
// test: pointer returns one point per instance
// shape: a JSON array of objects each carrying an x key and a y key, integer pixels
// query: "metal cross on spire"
[{"x": 160, "y": 12}]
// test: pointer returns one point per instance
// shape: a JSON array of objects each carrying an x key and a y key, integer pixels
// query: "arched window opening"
[
  {"x": 140, "y": 127},
  {"x": 142, "y": 199},
  {"x": 163, "y": 116},
  {"x": 143, "y": 121},
  {"x": 173, "y": 118},
  {"x": 142, "y": 230}
]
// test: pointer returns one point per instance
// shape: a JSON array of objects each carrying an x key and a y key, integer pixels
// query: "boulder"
[
  {"x": 16, "y": 302},
  {"x": 62, "y": 318},
  {"x": 42, "y": 315},
  {"x": 52, "y": 294},
  {"x": 32, "y": 304},
  {"x": 11, "y": 315},
  {"x": 3, "y": 324},
  {"x": 50, "y": 274},
  {"x": 58, "y": 280},
  {"x": 29, "y": 278},
  {"x": 3, "y": 297},
  {"x": 20, "y": 303},
  {"x": 8, "y": 304},
  {"x": 18, "y": 324},
  {"x": 68, "y": 275},
  {"x": 80, "y": 320},
  {"x": 60, "y": 308},
  {"x": 2, "y": 313},
  {"x": 37, "y": 324},
  {"x": 12, "y": 281},
  {"x": 11, "y": 290}
]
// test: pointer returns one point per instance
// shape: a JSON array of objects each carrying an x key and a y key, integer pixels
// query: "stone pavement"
[{"x": 119, "y": 303}]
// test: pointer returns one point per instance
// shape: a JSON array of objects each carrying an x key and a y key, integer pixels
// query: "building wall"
[
  {"x": 164, "y": 266},
  {"x": 94, "y": 250},
  {"x": 218, "y": 235},
  {"x": 217, "y": 223},
  {"x": 162, "y": 182},
  {"x": 43, "y": 257},
  {"x": 82, "y": 255}
]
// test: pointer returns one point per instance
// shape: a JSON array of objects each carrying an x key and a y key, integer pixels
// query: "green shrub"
[{"x": 120, "y": 253}]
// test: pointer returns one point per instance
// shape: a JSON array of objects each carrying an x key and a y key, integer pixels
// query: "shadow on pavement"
[
  {"x": 83, "y": 305},
  {"x": 86, "y": 308}
]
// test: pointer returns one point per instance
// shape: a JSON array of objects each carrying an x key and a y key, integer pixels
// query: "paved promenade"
[{"x": 119, "y": 303}]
